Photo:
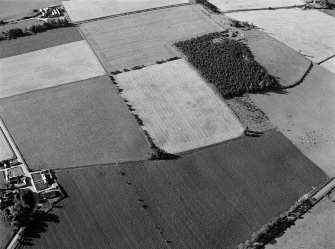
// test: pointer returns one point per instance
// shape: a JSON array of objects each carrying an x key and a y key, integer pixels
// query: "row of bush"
[
  {"x": 228, "y": 64},
  {"x": 209, "y": 6},
  {"x": 241, "y": 24},
  {"x": 51, "y": 23},
  {"x": 17, "y": 214},
  {"x": 277, "y": 226}
]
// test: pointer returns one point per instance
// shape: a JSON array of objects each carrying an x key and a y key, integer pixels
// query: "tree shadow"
[{"x": 37, "y": 225}]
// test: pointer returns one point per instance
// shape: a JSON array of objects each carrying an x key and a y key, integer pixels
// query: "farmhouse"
[
  {"x": 15, "y": 176},
  {"x": 51, "y": 11}
]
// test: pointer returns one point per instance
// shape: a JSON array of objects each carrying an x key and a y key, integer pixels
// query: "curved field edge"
[{"x": 177, "y": 108}]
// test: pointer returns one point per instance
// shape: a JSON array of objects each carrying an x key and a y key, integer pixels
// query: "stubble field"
[
  {"x": 100, "y": 212},
  {"x": 310, "y": 32},
  {"x": 234, "y": 5},
  {"x": 220, "y": 195},
  {"x": 73, "y": 125},
  {"x": 80, "y": 10},
  {"x": 39, "y": 41},
  {"x": 47, "y": 68},
  {"x": 142, "y": 39},
  {"x": 177, "y": 108},
  {"x": 306, "y": 115}
]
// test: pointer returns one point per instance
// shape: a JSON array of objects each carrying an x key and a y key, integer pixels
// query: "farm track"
[
  {"x": 260, "y": 9},
  {"x": 131, "y": 13}
]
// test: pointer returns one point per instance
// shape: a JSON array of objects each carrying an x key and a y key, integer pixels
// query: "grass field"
[
  {"x": 315, "y": 40},
  {"x": 127, "y": 41},
  {"x": 316, "y": 229},
  {"x": 101, "y": 212},
  {"x": 47, "y": 68},
  {"x": 13, "y": 10},
  {"x": 80, "y": 10},
  {"x": 73, "y": 125},
  {"x": 329, "y": 64},
  {"x": 177, "y": 108},
  {"x": 217, "y": 197},
  {"x": 39, "y": 41},
  {"x": 306, "y": 115},
  {"x": 233, "y": 5},
  {"x": 281, "y": 61},
  {"x": 6, "y": 151}
]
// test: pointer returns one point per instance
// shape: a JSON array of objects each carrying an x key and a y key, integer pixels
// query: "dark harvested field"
[
  {"x": 72, "y": 125},
  {"x": 39, "y": 41},
  {"x": 144, "y": 38},
  {"x": 101, "y": 212},
  {"x": 217, "y": 197}
]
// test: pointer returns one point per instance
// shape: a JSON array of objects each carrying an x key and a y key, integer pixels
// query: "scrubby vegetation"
[
  {"x": 209, "y": 6},
  {"x": 38, "y": 27},
  {"x": 17, "y": 212},
  {"x": 227, "y": 64},
  {"x": 239, "y": 24}
]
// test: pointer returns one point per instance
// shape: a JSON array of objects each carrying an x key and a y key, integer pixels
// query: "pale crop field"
[
  {"x": 178, "y": 109},
  {"x": 47, "y": 68},
  {"x": 80, "y": 10},
  {"x": 233, "y": 5},
  {"x": 310, "y": 32},
  {"x": 144, "y": 38},
  {"x": 329, "y": 64}
]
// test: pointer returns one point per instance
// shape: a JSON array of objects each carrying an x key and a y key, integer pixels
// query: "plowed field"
[
  {"x": 178, "y": 109},
  {"x": 144, "y": 38}
]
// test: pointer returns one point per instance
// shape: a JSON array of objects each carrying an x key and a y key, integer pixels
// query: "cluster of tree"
[
  {"x": 209, "y": 6},
  {"x": 239, "y": 24},
  {"x": 51, "y": 23},
  {"x": 229, "y": 64},
  {"x": 17, "y": 214}
]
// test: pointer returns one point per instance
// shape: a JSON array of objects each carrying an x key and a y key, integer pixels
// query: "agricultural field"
[
  {"x": 316, "y": 229},
  {"x": 306, "y": 115},
  {"x": 5, "y": 234},
  {"x": 39, "y": 41},
  {"x": 47, "y": 68},
  {"x": 73, "y": 125},
  {"x": 310, "y": 32},
  {"x": 227, "y": 64},
  {"x": 100, "y": 212},
  {"x": 14, "y": 10},
  {"x": 220, "y": 195},
  {"x": 177, "y": 108},
  {"x": 6, "y": 151},
  {"x": 329, "y": 64},
  {"x": 281, "y": 61},
  {"x": 80, "y": 10},
  {"x": 144, "y": 38},
  {"x": 235, "y": 5}
]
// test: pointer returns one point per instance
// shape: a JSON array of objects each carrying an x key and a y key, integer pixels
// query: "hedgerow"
[
  {"x": 209, "y": 6},
  {"x": 227, "y": 64}
]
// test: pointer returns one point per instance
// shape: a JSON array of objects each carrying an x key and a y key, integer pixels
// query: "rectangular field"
[
  {"x": 100, "y": 212},
  {"x": 6, "y": 151},
  {"x": 47, "y": 68},
  {"x": 72, "y": 125},
  {"x": 177, "y": 108},
  {"x": 235, "y": 5},
  {"x": 310, "y": 32},
  {"x": 39, "y": 41},
  {"x": 306, "y": 115},
  {"x": 220, "y": 195},
  {"x": 144, "y": 38},
  {"x": 329, "y": 64},
  {"x": 80, "y": 10}
]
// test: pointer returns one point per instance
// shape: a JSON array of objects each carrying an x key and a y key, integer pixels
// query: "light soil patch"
[
  {"x": 144, "y": 38},
  {"x": 6, "y": 151},
  {"x": 310, "y": 32},
  {"x": 17, "y": 9},
  {"x": 80, "y": 10},
  {"x": 329, "y": 64},
  {"x": 281, "y": 61},
  {"x": 47, "y": 68},
  {"x": 177, "y": 108},
  {"x": 306, "y": 115},
  {"x": 316, "y": 229},
  {"x": 234, "y": 5},
  {"x": 73, "y": 125},
  {"x": 39, "y": 41}
]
